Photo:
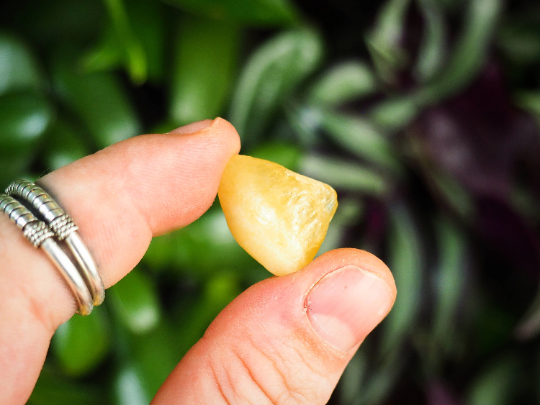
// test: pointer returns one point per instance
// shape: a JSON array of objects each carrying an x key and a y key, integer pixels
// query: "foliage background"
[{"x": 423, "y": 114}]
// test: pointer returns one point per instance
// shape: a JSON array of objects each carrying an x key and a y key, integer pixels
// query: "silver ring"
[
  {"x": 41, "y": 236},
  {"x": 65, "y": 230}
]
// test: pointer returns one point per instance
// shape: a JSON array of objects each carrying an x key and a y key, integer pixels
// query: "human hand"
[{"x": 285, "y": 340}]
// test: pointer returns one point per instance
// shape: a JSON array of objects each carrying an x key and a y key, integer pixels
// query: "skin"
[{"x": 259, "y": 350}]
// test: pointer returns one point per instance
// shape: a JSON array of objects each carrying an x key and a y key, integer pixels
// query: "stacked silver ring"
[{"x": 84, "y": 281}]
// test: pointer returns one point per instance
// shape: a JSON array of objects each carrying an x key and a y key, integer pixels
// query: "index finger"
[{"x": 119, "y": 197}]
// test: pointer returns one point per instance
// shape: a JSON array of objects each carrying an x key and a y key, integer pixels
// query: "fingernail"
[
  {"x": 347, "y": 304},
  {"x": 192, "y": 128}
]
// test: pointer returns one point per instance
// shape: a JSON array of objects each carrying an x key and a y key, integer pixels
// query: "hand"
[{"x": 286, "y": 340}]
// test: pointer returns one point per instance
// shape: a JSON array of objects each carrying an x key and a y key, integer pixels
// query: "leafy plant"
[{"x": 422, "y": 114}]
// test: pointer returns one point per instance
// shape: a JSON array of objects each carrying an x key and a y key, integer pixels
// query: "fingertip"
[
  {"x": 338, "y": 258},
  {"x": 224, "y": 127}
]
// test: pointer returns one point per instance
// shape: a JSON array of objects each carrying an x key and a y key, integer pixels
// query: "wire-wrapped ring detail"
[
  {"x": 41, "y": 236},
  {"x": 64, "y": 229}
]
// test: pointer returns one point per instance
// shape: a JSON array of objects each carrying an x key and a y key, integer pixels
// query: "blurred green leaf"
[
  {"x": 24, "y": 118},
  {"x": 529, "y": 326},
  {"x": 343, "y": 175},
  {"x": 18, "y": 68},
  {"x": 218, "y": 292},
  {"x": 520, "y": 40},
  {"x": 98, "y": 100},
  {"x": 395, "y": 114},
  {"x": 148, "y": 21},
  {"x": 405, "y": 260},
  {"x": 384, "y": 41},
  {"x": 284, "y": 154},
  {"x": 205, "y": 60},
  {"x": 51, "y": 23},
  {"x": 107, "y": 54},
  {"x": 200, "y": 249},
  {"x": 342, "y": 83},
  {"x": 154, "y": 354},
  {"x": 452, "y": 192},
  {"x": 530, "y": 101},
  {"x": 81, "y": 343},
  {"x": 348, "y": 212},
  {"x": 432, "y": 49},
  {"x": 305, "y": 121},
  {"x": 360, "y": 137},
  {"x": 350, "y": 384},
  {"x": 450, "y": 279},
  {"x": 63, "y": 145},
  {"x": 135, "y": 302},
  {"x": 380, "y": 380},
  {"x": 129, "y": 387},
  {"x": 470, "y": 51},
  {"x": 54, "y": 389},
  {"x": 270, "y": 75},
  {"x": 496, "y": 384},
  {"x": 134, "y": 38},
  {"x": 250, "y": 12},
  {"x": 135, "y": 56}
]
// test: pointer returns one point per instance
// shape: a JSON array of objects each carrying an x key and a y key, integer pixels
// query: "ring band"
[
  {"x": 65, "y": 230},
  {"x": 41, "y": 236}
]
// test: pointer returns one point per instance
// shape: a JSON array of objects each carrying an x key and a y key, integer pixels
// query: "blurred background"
[{"x": 422, "y": 114}]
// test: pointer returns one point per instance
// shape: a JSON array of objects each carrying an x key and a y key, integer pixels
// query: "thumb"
[{"x": 286, "y": 340}]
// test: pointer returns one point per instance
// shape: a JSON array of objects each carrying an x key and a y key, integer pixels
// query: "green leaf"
[
  {"x": 134, "y": 38},
  {"x": 529, "y": 326},
  {"x": 81, "y": 343},
  {"x": 405, "y": 261},
  {"x": 52, "y": 388},
  {"x": 350, "y": 383},
  {"x": 284, "y": 154},
  {"x": 519, "y": 40},
  {"x": 384, "y": 41},
  {"x": 432, "y": 50},
  {"x": 452, "y": 192},
  {"x": 271, "y": 74},
  {"x": 154, "y": 354},
  {"x": 344, "y": 82},
  {"x": 98, "y": 100},
  {"x": 129, "y": 387},
  {"x": 148, "y": 21},
  {"x": 529, "y": 101},
  {"x": 496, "y": 384},
  {"x": 200, "y": 249},
  {"x": 305, "y": 120},
  {"x": 18, "y": 68},
  {"x": 360, "y": 137},
  {"x": 205, "y": 60},
  {"x": 106, "y": 55},
  {"x": 343, "y": 175},
  {"x": 380, "y": 379},
  {"x": 135, "y": 302},
  {"x": 64, "y": 145},
  {"x": 396, "y": 113},
  {"x": 135, "y": 56},
  {"x": 24, "y": 118},
  {"x": 218, "y": 292},
  {"x": 470, "y": 52},
  {"x": 349, "y": 212},
  {"x": 450, "y": 280},
  {"x": 46, "y": 24},
  {"x": 250, "y": 12}
]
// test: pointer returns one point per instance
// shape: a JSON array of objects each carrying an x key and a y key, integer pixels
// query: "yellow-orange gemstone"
[{"x": 278, "y": 216}]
